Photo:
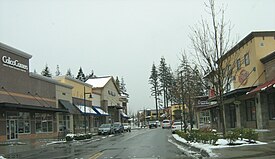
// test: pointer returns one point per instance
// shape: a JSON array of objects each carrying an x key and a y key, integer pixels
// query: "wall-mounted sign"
[
  {"x": 243, "y": 77},
  {"x": 15, "y": 64}
]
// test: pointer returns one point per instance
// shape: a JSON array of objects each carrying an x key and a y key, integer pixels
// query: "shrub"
[
  {"x": 250, "y": 134},
  {"x": 69, "y": 138},
  {"x": 199, "y": 136},
  {"x": 232, "y": 136}
]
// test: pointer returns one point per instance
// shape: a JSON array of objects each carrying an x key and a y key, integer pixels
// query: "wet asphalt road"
[{"x": 139, "y": 144}]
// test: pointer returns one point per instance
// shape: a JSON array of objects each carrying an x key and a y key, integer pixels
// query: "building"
[
  {"x": 109, "y": 98},
  {"x": 82, "y": 100},
  {"x": 250, "y": 93},
  {"x": 28, "y": 106}
]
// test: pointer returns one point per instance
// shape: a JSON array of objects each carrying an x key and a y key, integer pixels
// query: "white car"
[
  {"x": 127, "y": 127},
  {"x": 166, "y": 124},
  {"x": 177, "y": 126}
]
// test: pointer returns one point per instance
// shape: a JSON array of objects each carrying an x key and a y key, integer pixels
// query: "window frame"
[
  {"x": 238, "y": 62},
  {"x": 246, "y": 59}
]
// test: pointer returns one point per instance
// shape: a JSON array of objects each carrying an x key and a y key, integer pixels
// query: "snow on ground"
[
  {"x": 262, "y": 130},
  {"x": 1, "y": 157},
  {"x": 221, "y": 143}
]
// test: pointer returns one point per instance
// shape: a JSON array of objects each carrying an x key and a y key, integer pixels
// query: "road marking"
[{"x": 95, "y": 156}]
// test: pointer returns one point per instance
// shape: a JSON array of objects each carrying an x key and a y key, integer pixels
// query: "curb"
[{"x": 192, "y": 148}]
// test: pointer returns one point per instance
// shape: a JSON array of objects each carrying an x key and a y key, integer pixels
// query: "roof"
[
  {"x": 15, "y": 51},
  {"x": 247, "y": 39},
  {"x": 99, "y": 82},
  {"x": 268, "y": 58},
  {"x": 48, "y": 79},
  {"x": 71, "y": 79}
]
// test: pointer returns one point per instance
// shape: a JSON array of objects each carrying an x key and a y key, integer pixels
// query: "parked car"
[
  {"x": 176, "y": 126},
  {"x": 166, "y": 124},
  {"x": 118, "y": 127},
  {"x": 106, "y": 129},
  {"x": 127, "y": 127},
  {"x": 152, "y": 124},
  {"x": 158, "y": 123}
]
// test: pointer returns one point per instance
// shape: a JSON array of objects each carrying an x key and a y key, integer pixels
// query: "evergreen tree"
[
  {"x": 57, "y": 72},
  {"x": 69, "y": 73},
  {"x": 122, "y": 86},
  {"x": 154, "y": 81},
  {"x": 117, "y": 83},
  {"x": 46, "y": 72},
  {"x": 89, "y": 76},
  {"x": 163, "y": 78},
  {"x": 80, "y": 76}
]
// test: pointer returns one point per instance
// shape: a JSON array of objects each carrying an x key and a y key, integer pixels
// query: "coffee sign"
[{"x": 15, "y": 64}]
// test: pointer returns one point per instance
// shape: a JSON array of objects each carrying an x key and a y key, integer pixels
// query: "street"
[{"x": 143, "y": 143}]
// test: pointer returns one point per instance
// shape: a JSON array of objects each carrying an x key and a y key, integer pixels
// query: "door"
[
  {"x": 12, "y": 133},
  {"x": 232, "y": 116}
]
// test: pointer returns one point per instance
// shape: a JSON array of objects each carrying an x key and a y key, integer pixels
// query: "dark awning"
[
  {"x": 86, "y": 110},
  {"x": 33, "y": 107},
  {"x": 100, "y": 111},
  {"x": 71, "y": 108}
]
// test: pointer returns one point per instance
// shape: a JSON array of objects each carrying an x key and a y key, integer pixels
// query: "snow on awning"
[
  {"x": 88, "y": 110},
  {"x": 124, "y": 115},
  {"x": 100, "y": 111},
  {"x": 263, "y": 86}
]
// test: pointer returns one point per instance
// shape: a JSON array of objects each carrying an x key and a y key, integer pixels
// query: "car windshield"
[
  {"x": 105, "y": 125},
  {"x": 137, "y": 79}
]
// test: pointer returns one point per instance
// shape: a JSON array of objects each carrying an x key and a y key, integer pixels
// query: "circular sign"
[{"x": 243, "y": 77}]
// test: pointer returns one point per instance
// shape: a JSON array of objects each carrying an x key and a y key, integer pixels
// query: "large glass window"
[
  {"x": 250, "y": 110},
  {"x": 24, "y": 122},
  {"x": 271, "y": 105},
  {"x": 43, "y": 122}
]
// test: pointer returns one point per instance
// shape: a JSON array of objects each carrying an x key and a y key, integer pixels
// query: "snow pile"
[
  {"x": 1, "y": 157},
  {"x": 221, "y": 143}
]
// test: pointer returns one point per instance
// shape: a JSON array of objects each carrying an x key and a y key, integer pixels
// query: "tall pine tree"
[
  {"x": 69, "y": 73},
  {"x": 163, "y": 78},
  {"x": 46, "y": 72},
  {"x": 154, "y": 81},
  {"x": 81, "y": 76}
]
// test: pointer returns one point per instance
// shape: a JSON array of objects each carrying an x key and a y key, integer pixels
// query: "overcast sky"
[{"x": 117, "y": 37}]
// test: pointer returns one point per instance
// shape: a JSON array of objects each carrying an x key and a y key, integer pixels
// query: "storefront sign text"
[{"x": 15, "y": 64}]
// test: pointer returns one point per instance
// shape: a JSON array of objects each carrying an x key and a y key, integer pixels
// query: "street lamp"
[{"x": 85, "y": 115}]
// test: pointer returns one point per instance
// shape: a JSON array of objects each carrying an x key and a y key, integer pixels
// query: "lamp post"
[{"x": 85, "y": 114}]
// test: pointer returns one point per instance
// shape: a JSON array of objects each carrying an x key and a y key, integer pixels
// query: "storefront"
[{"x": 27, "y": 101}]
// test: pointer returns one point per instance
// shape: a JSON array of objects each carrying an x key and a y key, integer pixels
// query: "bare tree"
[{"x": 211, "y": 41}]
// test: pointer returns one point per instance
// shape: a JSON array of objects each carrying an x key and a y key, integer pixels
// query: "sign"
[
  {"x": 243, "y": 77},
  {"x": 15, "y": 64}
]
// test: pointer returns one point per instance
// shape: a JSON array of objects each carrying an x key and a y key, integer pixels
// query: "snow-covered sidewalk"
[{"x": 220, "y": 144}]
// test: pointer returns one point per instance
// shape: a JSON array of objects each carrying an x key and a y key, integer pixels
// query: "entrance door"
[
  {"x": 232, "y": 116},
  {"x": 12, "y": 129}
]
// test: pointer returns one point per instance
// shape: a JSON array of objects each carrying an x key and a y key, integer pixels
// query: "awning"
[
  {"x": 124, "y": 115},
  {"x": 32, "y": 107},
  {"x": 264, "y": 86},
  {"x": 100, "y": 111},
  {"x": 71, "y": 108},
  {"x": 86, "y": 110}
]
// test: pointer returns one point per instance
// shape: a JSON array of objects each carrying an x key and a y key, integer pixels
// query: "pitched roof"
[{"x": 99, "y": 82}]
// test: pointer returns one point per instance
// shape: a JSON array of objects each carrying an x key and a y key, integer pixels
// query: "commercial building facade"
[
  {"x": 249, "y": 96},
  {"x": 27, "y": 101}
]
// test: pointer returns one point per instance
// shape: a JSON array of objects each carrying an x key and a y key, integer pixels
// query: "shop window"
[
  {"x": 271, "y": 105},
  {"x": 246, "y": 59},
  {"x": 43, "y": 122},
  {"x": 250, "y": 110},
  {"x": 24, "y": 122}
]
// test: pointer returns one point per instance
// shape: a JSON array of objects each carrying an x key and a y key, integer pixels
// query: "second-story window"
[
  {"x": 246, "y": 59},
  {"x": 238, "y": 64}
]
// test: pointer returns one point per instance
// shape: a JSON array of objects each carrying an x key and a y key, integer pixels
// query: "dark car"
[
  {"x": 152, "y": 124},
  {"x": 118, "y": 127},
  {"x": 106, "y": 129}
]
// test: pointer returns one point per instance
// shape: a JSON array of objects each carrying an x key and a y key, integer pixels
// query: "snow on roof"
[{"x": 98, "y": 82}]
